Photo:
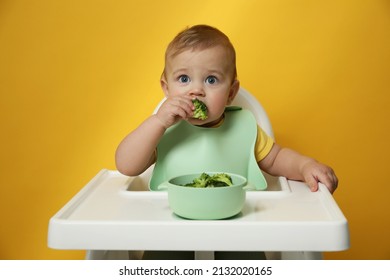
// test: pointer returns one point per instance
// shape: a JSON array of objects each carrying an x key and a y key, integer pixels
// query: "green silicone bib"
[{"x": 185, "y": 149}]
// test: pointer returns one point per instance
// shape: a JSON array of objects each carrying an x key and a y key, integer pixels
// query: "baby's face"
[{"x": 203, "y": 74}]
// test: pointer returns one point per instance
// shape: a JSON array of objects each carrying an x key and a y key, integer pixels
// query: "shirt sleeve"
[{"x": 263, "y": 145}]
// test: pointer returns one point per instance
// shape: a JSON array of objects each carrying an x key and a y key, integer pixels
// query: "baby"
[{"x": 200, "y": 63}]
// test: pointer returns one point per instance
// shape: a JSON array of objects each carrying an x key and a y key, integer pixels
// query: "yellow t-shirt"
[{"x": 263, "y": 144}]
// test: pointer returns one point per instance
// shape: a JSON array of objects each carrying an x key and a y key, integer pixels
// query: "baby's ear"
[
  {"x": 233, "y": 91},
  {"x": 164, "y": 86}
]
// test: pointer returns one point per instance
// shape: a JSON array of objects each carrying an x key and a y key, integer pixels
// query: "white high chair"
[
  {"x": 116, "y": 217},
  {"x": 245, "y": 100}
]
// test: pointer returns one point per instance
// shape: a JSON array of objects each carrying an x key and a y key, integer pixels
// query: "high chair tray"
[{"x": 105, "y": 215}]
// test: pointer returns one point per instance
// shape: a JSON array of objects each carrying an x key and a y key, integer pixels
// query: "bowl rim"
[{"x": 244, "y": 180}]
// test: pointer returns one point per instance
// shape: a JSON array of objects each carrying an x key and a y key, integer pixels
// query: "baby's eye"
[
  {"x": 211, "y": 80},
  {"x": 184, "y": 79}
]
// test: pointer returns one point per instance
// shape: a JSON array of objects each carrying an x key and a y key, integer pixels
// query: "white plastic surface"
[{"x": 106, "y": 215}]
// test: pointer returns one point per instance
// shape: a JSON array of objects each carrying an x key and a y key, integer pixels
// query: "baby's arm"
[
  {"x": 136, "y": 152},
  {"x": 288, "y": 163}
]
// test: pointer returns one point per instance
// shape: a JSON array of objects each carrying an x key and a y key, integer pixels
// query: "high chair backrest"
[{"x": 246, "y": 100}]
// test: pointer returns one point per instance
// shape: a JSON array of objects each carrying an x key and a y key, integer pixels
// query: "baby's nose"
[{"x": 198, "y": 91}]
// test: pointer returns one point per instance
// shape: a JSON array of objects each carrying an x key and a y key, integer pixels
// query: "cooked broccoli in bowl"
[
  {"x": 200, "y": 111},
  {"x": 207, "y": 181}
]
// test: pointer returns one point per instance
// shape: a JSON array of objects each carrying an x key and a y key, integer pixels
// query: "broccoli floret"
[
  {"x": 200, "y": 111},
  {"x": 200, "y": 182},
  {"x": 207, "y": 181},
  {"x": 220, "y": 180}
]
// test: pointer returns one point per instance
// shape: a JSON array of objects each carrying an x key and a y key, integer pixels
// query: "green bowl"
[{"x": 205, "y": 203}]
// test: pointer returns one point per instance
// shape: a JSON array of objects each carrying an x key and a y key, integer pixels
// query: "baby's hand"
[
  {"x": 315, "y": 172},
  {"x": 174, "y": 109}
]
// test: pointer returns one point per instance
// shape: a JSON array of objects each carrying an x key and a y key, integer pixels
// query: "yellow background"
[{"x": 76, "y": 76}]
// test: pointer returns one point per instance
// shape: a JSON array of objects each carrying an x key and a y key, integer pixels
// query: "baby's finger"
[
  {"x": 335, "y": 181},
  {"x": 329, "y": 181},
  {"x": 185, "y": 104},
  {"x": 312, "y": 182}
]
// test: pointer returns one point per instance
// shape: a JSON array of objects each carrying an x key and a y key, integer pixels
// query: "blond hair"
[{"x": 201, "y": 37}]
